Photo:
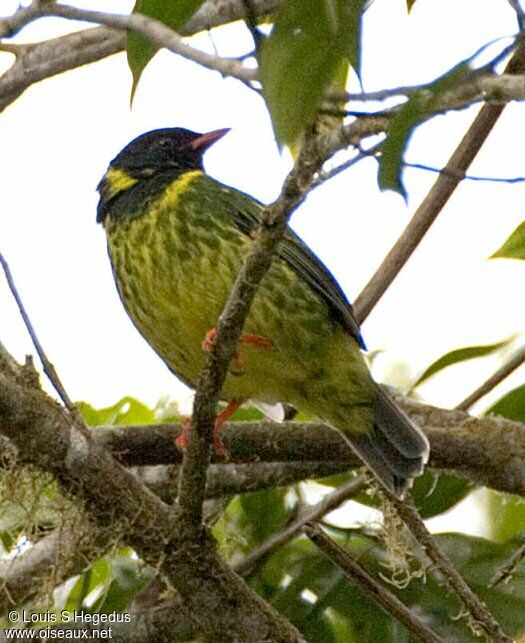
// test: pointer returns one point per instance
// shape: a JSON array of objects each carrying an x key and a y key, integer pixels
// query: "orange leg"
[
  {"x": 183, "y": 440},
  {"x": 218, "y": 446},
  {"x": 246, "y": 338}
]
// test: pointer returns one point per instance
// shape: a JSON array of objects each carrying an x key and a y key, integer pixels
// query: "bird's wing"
[{"x": 247, "y": 212}]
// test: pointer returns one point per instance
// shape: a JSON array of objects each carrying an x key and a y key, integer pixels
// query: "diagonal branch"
[
  {"x": 478, "y": 610},
  {"x": 308, "y": 514},
  {"x": 357, "y": 573},
  {"x": 435, "y": 200},
  {"x": 216, "y": 598},
  {"x": 498, "y": 376},
  {"x": 38, "y": 61}
]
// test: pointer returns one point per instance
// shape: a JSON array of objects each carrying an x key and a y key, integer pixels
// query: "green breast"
[
  {"x": 174, "y": 263},
  {"x": 173, "y": 266}
]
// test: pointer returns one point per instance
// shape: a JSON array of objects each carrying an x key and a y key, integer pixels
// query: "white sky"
[{"x": 57, "y": 139}]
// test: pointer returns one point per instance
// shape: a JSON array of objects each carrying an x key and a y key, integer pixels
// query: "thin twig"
[
  {"x": 45, "y": 59},
  {"x": 520, "y": 13},
  {"x": 326, "y": 175},
  {"x": 48, "y": 367},
  {"x": 310, "y": 514},
  {"x": 250, "y": 19},
  {"x": 504, "y": 371},
  {"x": 358, "y": 574},
  {"x": 506, "y": 570},
  {"x": 477, "y": 608},
  {"x": 462, "y": 176},
  {"x": 154, "y": 30},
  {"x": 434, "y": 202}
]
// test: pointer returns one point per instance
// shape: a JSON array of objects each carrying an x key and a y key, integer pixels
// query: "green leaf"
[
  {"x": 264, "y": 512},
  {"x": 300, "y": 57},
  {"x": 433, "y": 493},
  {"x": 314, "y": 586},
  {"x": 412, "y": 113},
  {"x": 127, "y": 411},
  {"x": 434, "y": 496},
  {"x": 459, "y": 355},
  {"x": 98, "y": 575},
  {"x": 130, "y": 576},
  {"x": 172, "y": 13},
  {"x": 511, "y": 405},
  {"x": 394, "y": 146},
  {"x": 505, "y": 515},
  {"x": 477, "y": 559},
  {"x": 514, "y": 247}
]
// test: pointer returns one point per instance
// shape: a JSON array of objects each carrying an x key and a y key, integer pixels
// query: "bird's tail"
[{"x": 396, "y": 450}]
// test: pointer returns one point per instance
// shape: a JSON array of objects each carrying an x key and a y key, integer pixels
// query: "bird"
[{"x": 176, "y": 240}]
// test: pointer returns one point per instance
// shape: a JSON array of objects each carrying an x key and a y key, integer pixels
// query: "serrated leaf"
[
  {"x": 393, "y": 148},
  {"x": 514, "y": 247},
  {"x": 299, "y": 59},
  {"x": 511, "y": 405},
  {"x": 411, "y": 114},
  {"x": 456, "y": 356},
  {"x": 172, "y": 13}
]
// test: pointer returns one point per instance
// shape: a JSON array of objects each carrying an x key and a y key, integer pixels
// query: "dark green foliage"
[
  {"x": 433, "y": 493},
  {"x": 511, "y": 405},
  {"x": 317, "y": 590}
]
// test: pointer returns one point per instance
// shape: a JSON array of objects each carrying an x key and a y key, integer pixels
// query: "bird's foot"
[
  {"x": 225, "y": 414},
  {"x": 183, "y": 440},
  {"x": 218, "y": 445},
  {"x": 246, "y": 338}
]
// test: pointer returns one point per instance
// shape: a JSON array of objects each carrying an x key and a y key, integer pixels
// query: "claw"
[
  {"x": 184, "y": 438},
  {"x": 246, "y": 338},
  {"x": 218, "y": 445}
]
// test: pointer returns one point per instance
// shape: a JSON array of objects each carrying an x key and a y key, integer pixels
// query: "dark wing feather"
[{"x": 247, "y": 212}]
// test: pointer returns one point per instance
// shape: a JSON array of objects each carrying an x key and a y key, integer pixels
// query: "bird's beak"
[{"x": 205, "y": 140}]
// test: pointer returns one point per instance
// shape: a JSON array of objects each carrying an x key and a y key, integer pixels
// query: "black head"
[{"x": 171, "y": 147}]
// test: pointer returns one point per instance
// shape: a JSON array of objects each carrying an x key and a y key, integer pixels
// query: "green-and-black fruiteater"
[{"x": 177, "y": 239}]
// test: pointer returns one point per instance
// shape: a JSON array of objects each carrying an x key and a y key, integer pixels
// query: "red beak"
[{"x": 204, "y": 141}]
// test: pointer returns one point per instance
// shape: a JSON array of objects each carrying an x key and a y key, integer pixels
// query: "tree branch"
[
  {"x": 488, "y": 450},
  {"x": 503, "y": 372},
  {"x": 163, "y": 623},
  {"x": 480, "y": 614},
  {"x": 358, "y": 574},
  {"x": 220, "y": 604},
  {"x": 307, "y": 514},
  {"x": 438, "y": 195},
  {"x": 42, "y": 60},
  {"x": 156, "y": 32}
]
